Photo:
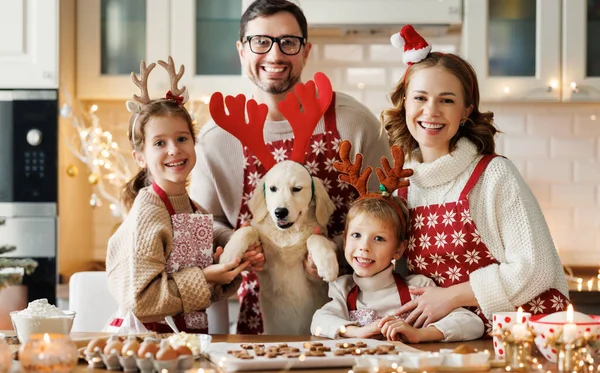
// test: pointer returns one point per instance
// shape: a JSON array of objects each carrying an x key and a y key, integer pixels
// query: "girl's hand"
[
  {"x": 432, "y": 304},
  {"x": 222, "y": 274},
  {"x": 395, "y": 329}
]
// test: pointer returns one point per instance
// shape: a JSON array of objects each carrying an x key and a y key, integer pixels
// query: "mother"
[{"x": 475, "y": 226}]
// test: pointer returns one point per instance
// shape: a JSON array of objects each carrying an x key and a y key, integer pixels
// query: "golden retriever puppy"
[{"x": 286, "y": 205}]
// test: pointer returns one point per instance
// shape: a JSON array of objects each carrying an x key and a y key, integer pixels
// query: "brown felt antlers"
[
  {"x": 179, "y": 95},
  {"x": 390, "y": 178},
  {"x": 302, "y": 108}
]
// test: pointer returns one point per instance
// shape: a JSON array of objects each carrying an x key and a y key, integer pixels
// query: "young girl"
[
  {"x": 362, "y": 303},
  {"x": 160, "y": 260},
  {"x": 475, "y": 226}
]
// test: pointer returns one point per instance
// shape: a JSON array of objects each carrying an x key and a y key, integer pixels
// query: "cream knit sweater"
[
  {"x": 136, "y": 259},
  {"x": 218, "y": 176},
  {"x": 508, "y": 218}
]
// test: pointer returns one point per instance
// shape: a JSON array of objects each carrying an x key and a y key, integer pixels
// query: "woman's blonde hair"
[
  {"x": 380, "y": 210},
  {"x": 137, "y": 124},
  {"x": 478, "y": 127}
]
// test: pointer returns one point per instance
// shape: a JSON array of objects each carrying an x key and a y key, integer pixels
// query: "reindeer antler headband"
[
  {"x": 390, "y": 178},
  {"x": 179, "y": 95},
  {"x": 303, "y": 122}
]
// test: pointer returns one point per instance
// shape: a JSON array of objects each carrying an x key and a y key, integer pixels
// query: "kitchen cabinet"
[
  {"x": 203, "y": 39},
  {"x": 29, "y": 44},
  {"x": 114, "y": 36},
  {"x": 534, "y": 50}
]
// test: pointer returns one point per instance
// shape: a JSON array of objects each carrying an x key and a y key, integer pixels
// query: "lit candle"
[
  {"x": 590, "y": 284},
  {"x": 519, "y": 330},
  {"x": 570, "y": 329}
]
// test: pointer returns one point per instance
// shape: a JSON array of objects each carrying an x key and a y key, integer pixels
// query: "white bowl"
[
  {"x": 26, "y": 325},
  {"x": 546, "y": 326}
]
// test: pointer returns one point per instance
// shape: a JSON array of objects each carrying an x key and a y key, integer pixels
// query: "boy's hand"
[
  {"x": 371, "y": 330},
  {"x": 396, "y": 329},
  {"x": 222, "y": 274}
]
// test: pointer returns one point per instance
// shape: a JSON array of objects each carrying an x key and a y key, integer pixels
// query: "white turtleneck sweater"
[
  {"x": 380, "y": 294},
  {"x": 508, "y": 218}
]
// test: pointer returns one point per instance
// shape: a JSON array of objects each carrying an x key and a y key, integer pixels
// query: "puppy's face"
[{"x": 288, "y": 193}]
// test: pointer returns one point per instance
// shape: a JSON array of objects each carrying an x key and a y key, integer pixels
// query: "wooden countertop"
[{"x": 481, "y": 345}]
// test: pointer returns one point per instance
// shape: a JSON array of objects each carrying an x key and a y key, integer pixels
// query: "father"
[{"x": 273, "y": 50}]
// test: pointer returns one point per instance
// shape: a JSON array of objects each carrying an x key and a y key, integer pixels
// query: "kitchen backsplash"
[{"x": 555, "y": 146}]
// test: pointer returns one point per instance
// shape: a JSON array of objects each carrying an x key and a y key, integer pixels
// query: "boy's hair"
[
  {"x": 380, "y": 210},
  {"x": 479, "y": 127},
  {"x": 264, "y": 8},
  {"x": 154, "y": 109}
]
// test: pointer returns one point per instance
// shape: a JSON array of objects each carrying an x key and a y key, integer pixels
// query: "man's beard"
[{"x": 276, "y": 87}]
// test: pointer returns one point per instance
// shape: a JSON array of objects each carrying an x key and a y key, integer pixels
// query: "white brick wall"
[{"x": 555, "y": 146}]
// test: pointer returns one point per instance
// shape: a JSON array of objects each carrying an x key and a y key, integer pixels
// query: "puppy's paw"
[
  {"x": 323, "y": 253},
  {"x": 238, "y": 244}
]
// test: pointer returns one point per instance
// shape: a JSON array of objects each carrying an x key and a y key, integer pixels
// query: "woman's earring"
[{"x": 462, "y": 122}]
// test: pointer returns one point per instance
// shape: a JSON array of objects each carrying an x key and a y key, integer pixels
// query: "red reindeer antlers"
[
  {"x": 391, "y": 178},
  {"x": 304, "y": 122},
  {"x": 302, "y": 109},
  {"x": 251, "y": 133}
]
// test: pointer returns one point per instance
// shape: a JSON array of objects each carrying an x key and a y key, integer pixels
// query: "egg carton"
[{"x": 130, "y": 363}]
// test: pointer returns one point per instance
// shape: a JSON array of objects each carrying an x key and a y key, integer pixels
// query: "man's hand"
[
  {"x": 309, "y": 265},
  {"x": 222, "y": 274}
]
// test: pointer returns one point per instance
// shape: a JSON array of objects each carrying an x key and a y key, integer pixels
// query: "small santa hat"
[{"x": 415, "y": 47}]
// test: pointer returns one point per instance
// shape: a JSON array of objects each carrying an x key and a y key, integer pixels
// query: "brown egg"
[
  {"x": 148, "y": 346},
  {"x": 130, "y": 347},
  {"x": 166, "y": 352},
  {"x": 183, "y": 350},
  {"x": 96, "y": 342},
  {"x": 113, "y": 343}
]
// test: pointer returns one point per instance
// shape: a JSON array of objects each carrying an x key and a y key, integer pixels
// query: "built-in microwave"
[{"x": 29, "y": 183}]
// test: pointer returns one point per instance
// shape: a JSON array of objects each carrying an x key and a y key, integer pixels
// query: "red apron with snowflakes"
[
  {"x": 192, "y": 247},
  {"x": 319, "y": 161},
  {"x": 444, "y": 245},
  {"x": 367, "y": 316}
]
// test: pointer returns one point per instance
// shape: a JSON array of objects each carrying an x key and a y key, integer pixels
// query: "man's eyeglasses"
[{"x": 261, "y": 44}]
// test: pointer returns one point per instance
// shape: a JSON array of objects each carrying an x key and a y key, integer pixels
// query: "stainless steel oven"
[{"x": 29, "y": 183}]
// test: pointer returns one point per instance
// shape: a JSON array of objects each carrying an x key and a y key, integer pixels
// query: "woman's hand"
[
  {"x": 222, "y": 274},
  {"x": 432, "y": 304}
]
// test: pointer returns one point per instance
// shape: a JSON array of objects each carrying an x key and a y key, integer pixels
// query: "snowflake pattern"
[
  {"x": 338, "y": 201},
  {"x": 319, "y": 147},
  {"x": 448, "y": 218},
  {"x": 458, "y": 238},
  {"x": 329, "y": 165},
  {"x": 312, "y": 167},
  {"x": 440, "y": 239},
  {"x": 463, "y": 251},
  {"x": 537, "y": 306},
  {"x": 253, "y": 179},
  {"x": 279, "y": 154}
]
